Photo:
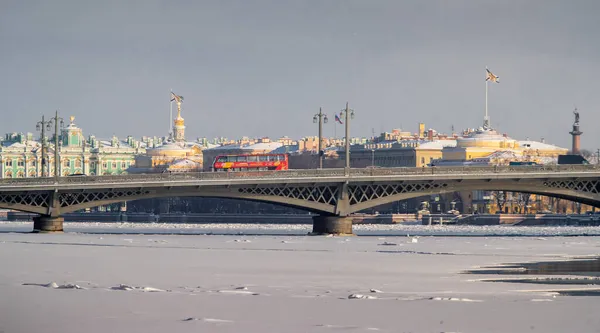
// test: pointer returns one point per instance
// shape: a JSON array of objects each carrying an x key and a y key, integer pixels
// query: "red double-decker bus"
[{"x": 257, "y": 162}]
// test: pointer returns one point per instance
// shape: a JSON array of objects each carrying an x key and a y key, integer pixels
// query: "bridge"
[{"x": 333, "y": 194}]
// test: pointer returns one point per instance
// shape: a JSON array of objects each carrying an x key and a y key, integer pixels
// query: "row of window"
[
  {"x": 244, "y": 169},
  {"x": 20, "y": 174},
  {"x": 20, "y": 163},
  {"x": 32, "y": 174},
  {"x": 251, "y": 158},
  {"x": 113, "y": 165},
  {"x": 67, "y": 163}
]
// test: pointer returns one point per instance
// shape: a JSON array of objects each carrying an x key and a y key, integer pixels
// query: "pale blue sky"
[{"x": 265, "y": 67}]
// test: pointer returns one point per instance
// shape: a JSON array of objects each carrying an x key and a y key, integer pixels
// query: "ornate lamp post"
[
  {"x": 56, "y": 120},
  {"x": 43, "y": 126},
  {"x": 373, "y": 158},
  {"x": 348, "y": 113},
  {"x": 320, "y": 118}
]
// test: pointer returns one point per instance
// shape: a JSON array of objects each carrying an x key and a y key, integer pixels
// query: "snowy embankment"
[{"x": 359, "y": 229}]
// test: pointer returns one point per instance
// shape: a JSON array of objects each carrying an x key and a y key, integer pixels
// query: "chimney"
[{"x": 430, "y": 135}]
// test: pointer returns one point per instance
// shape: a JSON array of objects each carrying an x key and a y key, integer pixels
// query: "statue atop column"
[
  {"x": 576, "y": 113},
  {"x": 179, "y": 123}
]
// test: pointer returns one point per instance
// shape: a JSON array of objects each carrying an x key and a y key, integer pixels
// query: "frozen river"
[{"x": 93, "y": 278}]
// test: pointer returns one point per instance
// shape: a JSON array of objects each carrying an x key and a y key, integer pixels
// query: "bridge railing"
[{"x": 302, "y": 173}]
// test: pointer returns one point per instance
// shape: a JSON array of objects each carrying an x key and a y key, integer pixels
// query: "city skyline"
[{"x": 269, "y": 66}]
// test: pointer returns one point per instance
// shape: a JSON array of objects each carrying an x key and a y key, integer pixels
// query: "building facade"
[
  {"x": 389, "y": 154},
  {"x": 21, "y": 156}
]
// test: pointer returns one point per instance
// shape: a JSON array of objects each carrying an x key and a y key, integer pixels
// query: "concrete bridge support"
[
  {"x": 52, "y": 221},
  {"x": 47, "y": 223},
  {"x": 336, "y": 225}
]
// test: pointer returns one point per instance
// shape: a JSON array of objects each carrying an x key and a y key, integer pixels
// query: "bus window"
[
  {"x": 252, "y": 158},
  {"x": 280, "y": 157},
  {"x": 263, "y": 158},
  {"x": 222, "y": 159},
  {"x": 242, "y": 158}
]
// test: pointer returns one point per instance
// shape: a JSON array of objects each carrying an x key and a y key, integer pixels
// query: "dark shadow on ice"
[
  {"x": 578, "y": 271},
  {"x": 585, "y": 267}
]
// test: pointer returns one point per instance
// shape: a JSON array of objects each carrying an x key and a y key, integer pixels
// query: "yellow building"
[
  {"x": 476, "y": 144},
  {"x": 164, "y": 155},
  {"x": 405, "y": 153},
  {"x": 489, "y": 147}
]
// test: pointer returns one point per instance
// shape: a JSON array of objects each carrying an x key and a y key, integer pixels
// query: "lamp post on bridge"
[
  {"x": 320, "y": 118},
  {"x": 372, "y": 157},
  {"x": 56, "y": 120},
  {"x": 43, "y": 126},
  {"x": 348, "y": 113}
]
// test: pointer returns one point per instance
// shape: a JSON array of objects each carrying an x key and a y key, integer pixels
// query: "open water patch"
[
  {"x": 576, "y": 266},
  {"x": 577, "y": 271}
]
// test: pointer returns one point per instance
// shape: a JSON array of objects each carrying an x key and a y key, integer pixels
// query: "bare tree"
[
  {"x": 523, "y": 200},
  {"x": 500, "y": 197},
  {"x": 586, "y": 154}
]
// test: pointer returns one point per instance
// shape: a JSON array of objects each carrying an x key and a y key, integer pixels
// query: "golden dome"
[
  {"x": 179, "y": 121},
  {"x": 169, "y": 149}
]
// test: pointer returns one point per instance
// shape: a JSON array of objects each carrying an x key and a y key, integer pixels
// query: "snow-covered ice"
[
  {"x": 135, "y": 282},
  {"x": 411, "y": 231}
]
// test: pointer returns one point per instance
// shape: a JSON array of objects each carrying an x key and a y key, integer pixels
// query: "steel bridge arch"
[
  {"x": 588, "y": 198},
  {"x": 318, "y": 208},
  {"x": 332, "y": 198}
]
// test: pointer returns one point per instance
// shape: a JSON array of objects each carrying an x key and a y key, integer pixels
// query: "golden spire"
[{"x": 179, "y": 121}]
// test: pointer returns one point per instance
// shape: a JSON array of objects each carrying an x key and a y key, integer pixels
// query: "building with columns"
[{"x": 21, "y": 155}]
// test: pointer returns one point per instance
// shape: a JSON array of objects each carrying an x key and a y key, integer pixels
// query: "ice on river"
[{"x": 112, "y": 282}]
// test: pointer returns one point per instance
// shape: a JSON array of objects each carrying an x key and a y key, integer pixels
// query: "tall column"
[
  {"x": 576, "y": 141},
  {"x": 576, "y": 133}
]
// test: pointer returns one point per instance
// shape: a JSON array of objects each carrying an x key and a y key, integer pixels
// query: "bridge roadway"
[{"x": 332, "y": 193}]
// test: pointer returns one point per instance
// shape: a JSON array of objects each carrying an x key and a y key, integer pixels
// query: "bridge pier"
[
  {"x": 336, "y": 225},
  {"x": 46, "y": 223}
]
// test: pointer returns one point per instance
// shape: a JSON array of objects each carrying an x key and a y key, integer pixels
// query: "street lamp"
[
  {"x": 348, "y": 113},
  {"x": 372, "y": 158},
  {"x": 43, "y": 126},
  {"x": 320, "y": 118},
  {"x": 56, "y": 120}
]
